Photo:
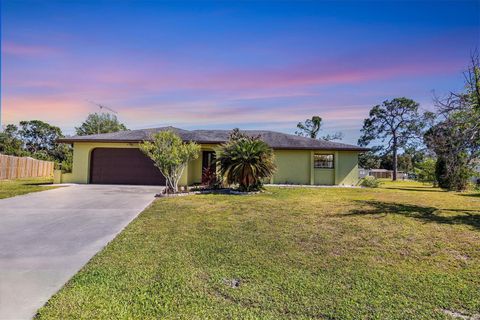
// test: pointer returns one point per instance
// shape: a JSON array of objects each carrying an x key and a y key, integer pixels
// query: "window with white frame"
[{"x": 324, "y": 161}]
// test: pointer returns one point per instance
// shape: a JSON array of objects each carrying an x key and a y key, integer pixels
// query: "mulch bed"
[{"x": 207, "y": 191}]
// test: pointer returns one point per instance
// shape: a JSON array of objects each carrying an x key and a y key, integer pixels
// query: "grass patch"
[
  {"x": 402, "y": 251},
  {"x": 11, "y": 188}
]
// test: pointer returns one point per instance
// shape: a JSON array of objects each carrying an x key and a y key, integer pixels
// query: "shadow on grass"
[
  {"x": 427, "y": 189},
  {"x": 37, "y": 183},
  {"x": 428, "y": 214},
  {"x": 477, "y": 195}
]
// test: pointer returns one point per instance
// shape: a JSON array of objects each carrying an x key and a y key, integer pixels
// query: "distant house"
[
  {"x": 362, "y": 173},
  {"x": 381, "y": 173},
  {"x": 114, "y": 158}
]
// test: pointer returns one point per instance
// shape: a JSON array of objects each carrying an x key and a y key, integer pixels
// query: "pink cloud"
[
  {"x": 128, "y": 80},
  {"x": 142, "y": 78},
  {"x": 68, "y": 112},
  {"x": 60, "y": 111},
  {"x": 208, "y": 96},
  {"x": 16, "y": 49},
  {"x": 216, "y": 113},
  {"x": 316, "y": 74}
]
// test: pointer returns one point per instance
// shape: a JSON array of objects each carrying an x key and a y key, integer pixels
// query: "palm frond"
[{"x": 246, "y": 161}]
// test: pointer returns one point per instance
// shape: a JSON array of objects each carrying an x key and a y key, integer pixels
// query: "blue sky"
[{"x": 262, "y": 65}]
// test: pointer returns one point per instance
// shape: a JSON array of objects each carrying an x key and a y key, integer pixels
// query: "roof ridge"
[
  {"x": 275, "y": 139},
  {"x": 277, "y": 132}
]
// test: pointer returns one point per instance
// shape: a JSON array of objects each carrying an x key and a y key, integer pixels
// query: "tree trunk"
[{"x": 394, "y": 149}]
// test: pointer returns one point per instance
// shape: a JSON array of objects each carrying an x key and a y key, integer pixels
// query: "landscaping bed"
[{"x": 204, "y": 190}]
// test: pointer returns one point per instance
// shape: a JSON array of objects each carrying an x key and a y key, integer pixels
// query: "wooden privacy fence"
[{"x": 24, "y": 167}]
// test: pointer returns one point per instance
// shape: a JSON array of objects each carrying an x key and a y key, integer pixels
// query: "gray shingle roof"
[{"x": 276, "y": 140}]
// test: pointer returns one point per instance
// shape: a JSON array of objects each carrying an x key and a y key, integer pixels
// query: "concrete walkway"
[{"x": 46, "y": 237}]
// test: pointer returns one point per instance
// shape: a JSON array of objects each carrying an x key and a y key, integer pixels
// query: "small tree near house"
[
  {"x": 170, "y": 155},
  {"x": 246, "y": 161}
]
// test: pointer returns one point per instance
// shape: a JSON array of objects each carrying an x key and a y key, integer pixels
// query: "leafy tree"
[
  {"x": 63, "y": 157},
  {"x": 170, "y": 155},
  {"x": 311, "y": 127},
  {"x": 236, "y": 134},
  {"x": 333, "y": 136},
  {"x": 10, "y": 143},
  {"x": 406, "y": 162},
  {"x": 40, "y": 140},
  {"x": 455, "y": 139},
  {"x": 418, "y": 155},
  {"x": 425, "y": 171},
  {"x": 37, "y": 139},
  {"x": 370, "y": 159},
  {"x": 100, "y": 123},
  {"x": 396, "y": 122},
  {"x": 39, "y": 136},
  {"x": 245, "y": 161},
  {"x": 454, "y": 159},
  {"x": 441, "y": 174}
]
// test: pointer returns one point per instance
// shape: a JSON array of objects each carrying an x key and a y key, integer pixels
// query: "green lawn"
[
  {"x": 11, "y": 188},
  {"x": 404, "y": 251}
]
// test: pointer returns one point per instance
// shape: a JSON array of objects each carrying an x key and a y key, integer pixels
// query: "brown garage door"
[{"x": 123, "y": 166}]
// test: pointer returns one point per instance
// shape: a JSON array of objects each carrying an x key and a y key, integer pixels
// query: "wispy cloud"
[{"x": 17, "y": 49}]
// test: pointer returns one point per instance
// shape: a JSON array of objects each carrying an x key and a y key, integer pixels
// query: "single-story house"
[{"x": 114, "y": 158}]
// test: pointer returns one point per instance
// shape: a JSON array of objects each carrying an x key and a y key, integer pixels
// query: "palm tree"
[{"x": 245, "y": 161}]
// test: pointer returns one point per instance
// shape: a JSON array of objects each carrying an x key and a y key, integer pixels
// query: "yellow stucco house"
[{"x": 114, "y": 158}]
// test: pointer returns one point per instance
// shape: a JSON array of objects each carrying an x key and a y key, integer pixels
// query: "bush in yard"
[
  {"x": 210, "y": 179},
  {"x": 170, "y": 155},
  {"x": 370, "y": 182},
  {"x": 245, "y": 161},
  {"x": 452, "y": 177},
  {"x": 425, "y": 171}
]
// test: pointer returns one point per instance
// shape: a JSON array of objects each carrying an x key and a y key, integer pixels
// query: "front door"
[{"x": 208, "y": 166}]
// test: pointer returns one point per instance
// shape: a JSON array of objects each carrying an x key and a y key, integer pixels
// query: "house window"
[{"x": 323, "y": 161}]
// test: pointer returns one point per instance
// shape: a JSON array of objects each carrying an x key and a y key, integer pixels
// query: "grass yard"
[
  {"x": 11, "y": 188},
  {"x": 404, "y": 251}
]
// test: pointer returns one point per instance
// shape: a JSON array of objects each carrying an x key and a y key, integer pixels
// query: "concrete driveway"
[{"x": 46, "y": 237}]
